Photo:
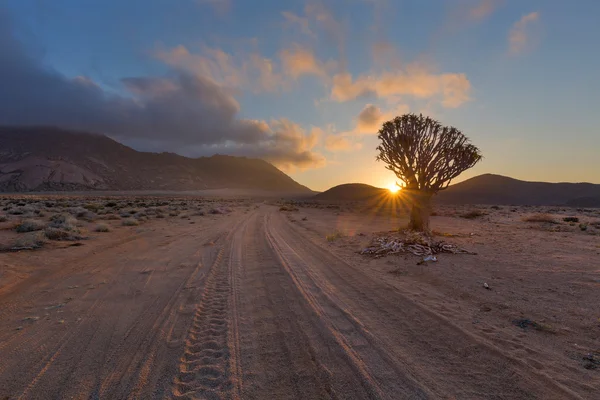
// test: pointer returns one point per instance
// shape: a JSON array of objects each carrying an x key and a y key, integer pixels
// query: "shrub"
[
  {"x": 110, "y": 204},
  {"x": 583, "y": 227},
  {"x": 571, "y": 219},
  {"x": 87, "y": 216},
  {"x": 473, "y": 214},
  {"x": 334, "y": 236},
  {"x": 545, "y": 218},
  {"x": 31, "y": 240},
  {"x": 130, "y": 222},
  {"x": 30, "y": 225},
  {"x": 102, "y": 228},
  {"x": 3, "y": 218},
  {"x": 288, "y": 208},
  {"x": 63, "y": 221},
  {"x": 61, "y": 234},
  {"x": 93, "y": 207}
]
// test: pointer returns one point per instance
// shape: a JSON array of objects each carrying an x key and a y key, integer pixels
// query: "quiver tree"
[{"x": 425, "y": 156}]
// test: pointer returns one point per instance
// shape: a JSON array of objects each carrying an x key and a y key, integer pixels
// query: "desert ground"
[{"x": 160, "y": 297}]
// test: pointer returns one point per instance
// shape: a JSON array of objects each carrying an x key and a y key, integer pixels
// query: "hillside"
[
  {"x": 486, "y": 189},
  {"x": 351, "y": 192},
  {"x": 42, "y": 159},
  {"x": 497, "y": 189}
]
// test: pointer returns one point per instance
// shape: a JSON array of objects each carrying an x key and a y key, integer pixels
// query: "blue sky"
[{"x": 305, "y": 84}]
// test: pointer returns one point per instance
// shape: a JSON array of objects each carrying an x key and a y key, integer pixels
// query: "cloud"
[
  {"x": 251, "y": 71},
  {"x": 183, "y": 111},
  {"x": 519, "y": 36},
  {"x": 371, "y": 118},
  {"x": 451, "y": 88},
  {"x": 303, "y": 23},
  {"x": 299, "y": 61},
  {"x": 483, "y": 9},
  {"x": 341, "y": 143}
]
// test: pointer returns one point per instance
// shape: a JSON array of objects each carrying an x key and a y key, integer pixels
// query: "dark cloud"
[{"x": 182, "y": 112}]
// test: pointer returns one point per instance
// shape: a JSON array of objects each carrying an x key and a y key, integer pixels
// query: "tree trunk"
[{"x": 421, "y": 209}]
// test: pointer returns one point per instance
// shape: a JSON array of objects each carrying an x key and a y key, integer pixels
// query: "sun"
[{"x": 393, "y": 188}]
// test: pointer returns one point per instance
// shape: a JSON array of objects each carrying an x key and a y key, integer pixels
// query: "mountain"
[
  {"x": 497, "y": 189},
  {"x": 485, "y": 189},
  {"x": 43, "y": 159},
  {"x": 351, "y": 192}
]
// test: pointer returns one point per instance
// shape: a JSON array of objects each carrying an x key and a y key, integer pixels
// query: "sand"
[{"x": 257, "y": 304}]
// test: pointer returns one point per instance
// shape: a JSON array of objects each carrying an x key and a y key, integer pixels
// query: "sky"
[{"x": 307, "y": 84}]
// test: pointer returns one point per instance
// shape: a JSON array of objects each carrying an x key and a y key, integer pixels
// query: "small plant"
[
  {"x": 288, "y": 208},
  {"x": 30, "y": 225},
  {"x": 87, "y": 216},
  {"x": 583, "y": 227},
  {"x": 130, "y": 222},
  {"x": 334, "y": 236},
  {"x": 496, "y": 208},
  {"x": 31, "y": 240},
  {"x": 473, "y": 214},
  {"x": 102, "y": 228},
  {"x": 544, "y": 218},
  {"x": 63, "y": 221},
  {"x": 571, "y": 219},
  {"x": 93, "y": 207},
  {"x": 3, "y": 218}
]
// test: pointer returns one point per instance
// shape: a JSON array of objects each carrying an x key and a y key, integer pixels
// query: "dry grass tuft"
[
  {"x": 334, "y": 236},
  {"x": 30, "y": 225},
  {"x": 544, "y": 218},
  {"x": 102, "y": 228},
  {"x": 473, "y": 214},
  {"x": 130, "y": 222}
]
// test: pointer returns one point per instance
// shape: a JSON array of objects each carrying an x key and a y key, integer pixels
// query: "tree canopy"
[{"x": 423, "y": 153}]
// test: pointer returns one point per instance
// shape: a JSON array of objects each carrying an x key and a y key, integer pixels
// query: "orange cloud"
[
  {"x": 483, "y": 9},
  {"x": 301, "y": 61},
  {"x": 371, "y": 118},
  {"x": 340, "y": 143},
  {"x": 453, "y": 89},
  {"x": 519, "y": 36}
]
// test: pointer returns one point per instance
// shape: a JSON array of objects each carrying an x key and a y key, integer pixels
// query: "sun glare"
[{"x": 393, "y": 188}]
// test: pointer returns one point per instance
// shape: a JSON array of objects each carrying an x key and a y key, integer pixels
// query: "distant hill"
[
  {"x": 351, "y": 192},
  {"x": 486, "y": 189},
  {"x": 52, "y": 159},
  {"x": 497, "y": 189}
]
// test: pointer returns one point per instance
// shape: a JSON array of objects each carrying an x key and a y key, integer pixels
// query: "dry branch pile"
[{"x": 412, "y": 242}]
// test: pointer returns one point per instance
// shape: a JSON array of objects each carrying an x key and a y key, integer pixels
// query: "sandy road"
[{"x": 263, "y": 312}]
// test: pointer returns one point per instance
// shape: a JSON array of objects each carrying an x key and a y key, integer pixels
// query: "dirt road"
[{"x": 245, "y": 306}]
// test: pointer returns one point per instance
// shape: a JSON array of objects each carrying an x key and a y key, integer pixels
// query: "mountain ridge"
[
  {"x": 50, "y": 158},
  {"x": 487, "y": 189}
]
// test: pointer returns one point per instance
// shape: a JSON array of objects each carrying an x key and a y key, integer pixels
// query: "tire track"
[
  {"x": 209, "y": 367},
  {"x": 282, "y": 341},
  {"x": 464, "y": 360},
  {"x": 378, "y": 374}
]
